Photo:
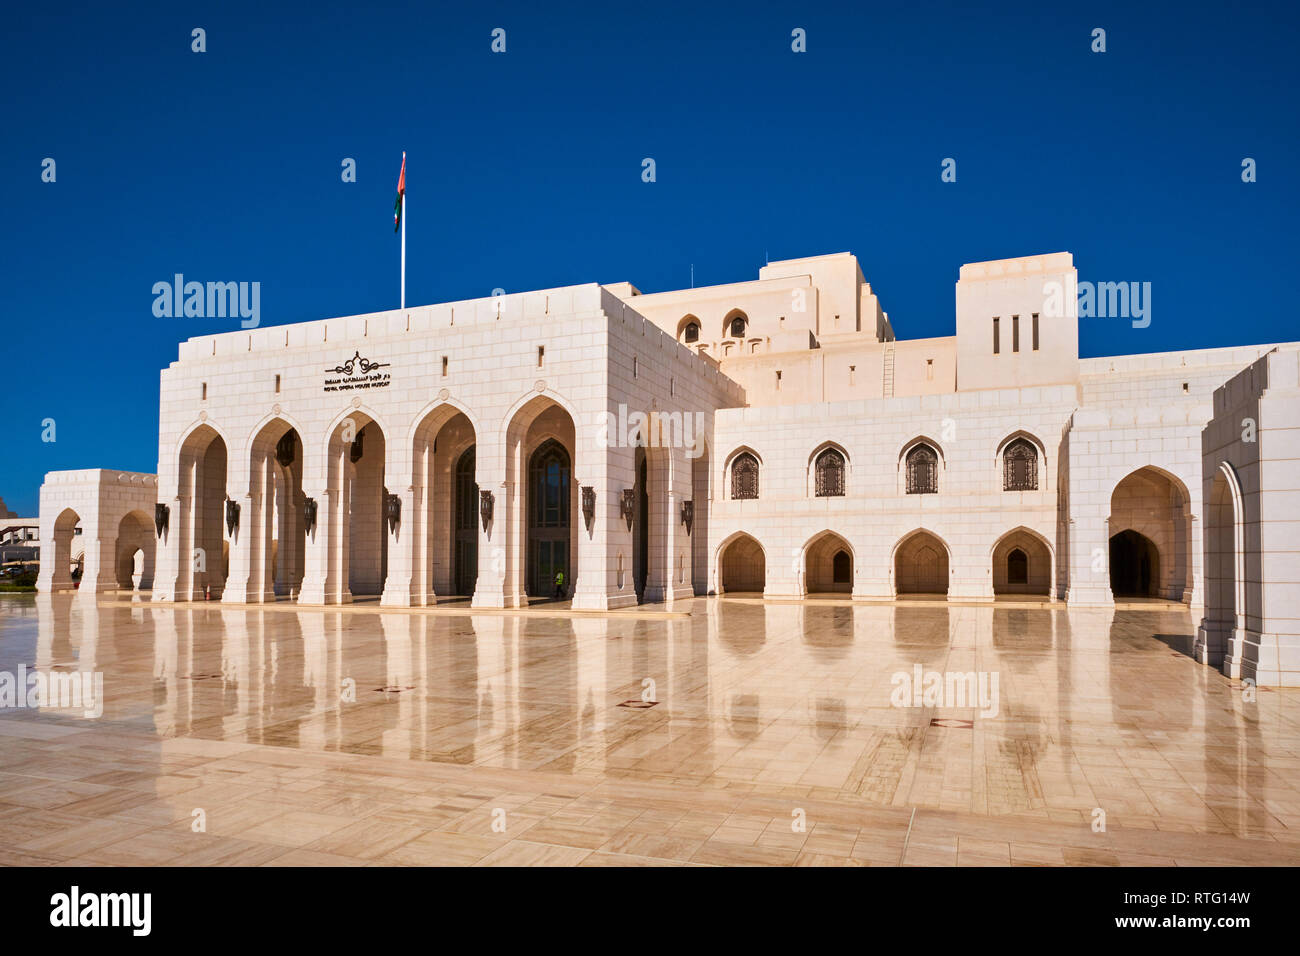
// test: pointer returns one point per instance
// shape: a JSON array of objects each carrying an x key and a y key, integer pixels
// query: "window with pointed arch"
[
  {"x": 922, "y": 471},
  {"x": 1020, "y": 466},
  {"x": 736, "y": 327},
  {"x": 829, "y": 473},
  {"x": 744, "y": 476},
  {"x": 691, "y": 333}
]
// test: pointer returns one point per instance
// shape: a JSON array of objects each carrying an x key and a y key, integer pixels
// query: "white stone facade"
[
  {"x": 105, "y": 516},
  {"x": 770, "y": 437}
]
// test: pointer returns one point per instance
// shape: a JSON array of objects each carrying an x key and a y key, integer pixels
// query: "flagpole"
[{"x": 403, "y": 237}]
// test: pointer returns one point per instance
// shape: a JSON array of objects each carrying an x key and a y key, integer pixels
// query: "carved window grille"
[
  {"x": 829, "y": 470},
  {"x": 744, "y": 476},
  {"x": 922, "y": 471},
  {"x": 1020, "y": 466}
]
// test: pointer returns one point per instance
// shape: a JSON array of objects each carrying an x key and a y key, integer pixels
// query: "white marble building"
[{"x": 769, "y": 437}]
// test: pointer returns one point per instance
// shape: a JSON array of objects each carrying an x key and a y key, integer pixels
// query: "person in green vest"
[{"x": 559, "y": 584}]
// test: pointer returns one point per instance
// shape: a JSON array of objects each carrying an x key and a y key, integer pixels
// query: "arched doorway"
[
  {"x": 1134, "y": 565},
  {"x": 135, "y": 552},
  {"x": 366, "y": 494},
  {"x": 287, "y": 518},
  {"x": 549, "y": 473},
  {"x": 1155, "y": 560},
  {"x": 828, "y": 564},
  {"x": 444, "y": 525},
  {"x": 271, "y": 536},
  {"x": 641, "y": 525},
  {"x": 1021, "y": 564},
  {"x": 357, "y": 560},
  {"x": 533, "y": 513},
  {"x": 742, "y": 566},
  {"x": 199, "y": 522},
  {"x": 465, "y": 559},
  {"x": 700, "y": 522},
  {"x": 67, "y": 564},
  {"x": 1226, "y": 594},
  {"x": 921, "y": 565}
]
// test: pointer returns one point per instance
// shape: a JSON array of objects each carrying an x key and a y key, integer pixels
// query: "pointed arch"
[
  {"x": 828, "y": 471},
  {"x": 828, "y": 563},
  {"x": 62, "y": 557},
  {"x": 197, "y": 530},
  {"x": 202, "y": 428},
  {"x": 730, "y": 329},
  {"x": 920, "y": 563},
  {"x": 1016, "y": 470},
  {"x": 271, "y": 539},
  {"x": 743, "y": 471},
  {"x": 513, "y": 421},
  {"x": 534, "y": 550},
  {"x": 362, "y": 415},
  {"x": 920, "y": 467},
  {"x": 135, "y": 550},
  {"x": 437, "y": 413},
  {"x": 1227, "y": 594},
  {"x": 1154, "y": 505},
  {"x": 741, "y": 561},
  {"x": 1037, "y": 560},
  {"x": 443, "y": 528}
]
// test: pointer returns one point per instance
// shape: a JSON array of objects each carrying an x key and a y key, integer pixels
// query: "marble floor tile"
[{"x": 773, "y": 740}]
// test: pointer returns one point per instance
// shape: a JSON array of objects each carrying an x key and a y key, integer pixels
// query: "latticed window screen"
[
  {"x": 922, "y": 471},
  {"x": 744, "y": 476},
  {"x": 1020, "y": 466},
  {"x": 830, "y": 474}
]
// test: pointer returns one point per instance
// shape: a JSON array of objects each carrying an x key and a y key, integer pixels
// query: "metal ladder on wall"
[{"x": 887, "y": 378}]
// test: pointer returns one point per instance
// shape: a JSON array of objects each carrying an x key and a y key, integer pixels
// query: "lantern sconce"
[
  {"x": 309, "y": 514},
  {"x": 688, "y": 515},
  {"x": 485, "y": 507},
  {"x": 626, "y": 508},
  {"x": 161, "y": 513},
  {"x": 393, "y": 509},
  {"x": 232, "y": 516},
  {"x": 589, "y": 505},
  {"x": 284, "y": 449}
]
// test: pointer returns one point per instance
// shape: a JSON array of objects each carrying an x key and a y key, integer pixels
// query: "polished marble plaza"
[{"x": 458, "y": 737}]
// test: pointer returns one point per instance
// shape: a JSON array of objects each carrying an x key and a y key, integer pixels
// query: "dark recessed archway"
[
  {"x": 1134, "y": 565},
  {"x": 549, "y": 470}
]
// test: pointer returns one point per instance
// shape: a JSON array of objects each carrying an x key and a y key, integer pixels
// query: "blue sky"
[{"x": 524, "y": 168}]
